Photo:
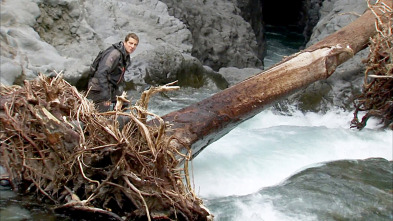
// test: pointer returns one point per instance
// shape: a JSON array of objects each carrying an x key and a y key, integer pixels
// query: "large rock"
[
  {"x": 80, "y": 29},
  {"x": 164, "y": 65},
  {"x": 22, "y": 50},
  {"x": 235, "y": 75},
  {"x": 40, "y": 36},
  {"x": 221, "y": 37},
  {"x": 251, "y": 11},
  {"x": 310, "y": 17}
]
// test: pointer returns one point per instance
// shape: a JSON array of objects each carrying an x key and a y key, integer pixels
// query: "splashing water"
[
  {"x": 269, "y": 148},
  {"x": 244, "y": 174}
]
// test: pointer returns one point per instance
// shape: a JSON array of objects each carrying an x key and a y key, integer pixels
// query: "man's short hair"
[{"x": 132, "y": 35}]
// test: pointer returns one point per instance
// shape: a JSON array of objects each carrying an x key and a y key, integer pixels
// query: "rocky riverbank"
[{"x": 197, "y": 40}]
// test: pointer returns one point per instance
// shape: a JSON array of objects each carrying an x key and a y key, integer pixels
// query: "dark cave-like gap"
[
  {"x": 286, "y": 19},
  {"x": 282, "y": 13}
]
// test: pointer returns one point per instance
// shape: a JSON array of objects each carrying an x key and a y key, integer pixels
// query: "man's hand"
[
  {"x": 104, "y": 106},
  {"x": 107, "y": 103}
]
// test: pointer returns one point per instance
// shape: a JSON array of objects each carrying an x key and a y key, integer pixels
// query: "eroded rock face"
[
  {"x": 80, "y": 29},
  {"x": 22, "y": 50},
  {"x": 66, "y": 35},
  {"x": 251, "y": 11},
  {"x": 310, "y": 17},
  {"x": 221, "y": 37}
]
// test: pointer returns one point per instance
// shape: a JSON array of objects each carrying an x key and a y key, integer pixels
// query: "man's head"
[{"x": 130, "y": 42}]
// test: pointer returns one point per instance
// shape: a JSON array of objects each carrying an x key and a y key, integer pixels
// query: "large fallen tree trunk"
[{"x": 202, "y": 123}]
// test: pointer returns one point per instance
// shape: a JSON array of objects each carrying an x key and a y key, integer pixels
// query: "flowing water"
[
  {"x": 300, "y": 167},
  {"x": 278, "y": 166}
]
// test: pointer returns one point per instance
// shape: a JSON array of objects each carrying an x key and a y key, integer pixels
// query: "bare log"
[{"x": 202, "y": 123}]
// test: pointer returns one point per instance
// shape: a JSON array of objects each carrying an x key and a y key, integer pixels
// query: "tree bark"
[{"x": 202, "y": 123}]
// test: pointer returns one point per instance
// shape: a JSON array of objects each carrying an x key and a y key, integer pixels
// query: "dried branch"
[{"x": 376, "y": 99}]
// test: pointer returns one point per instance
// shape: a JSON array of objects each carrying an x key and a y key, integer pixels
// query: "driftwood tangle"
[
  {"x": 377, "y": 97},
  {"x": 202, "y": 123},
  {"x": 55, "y": 143}
]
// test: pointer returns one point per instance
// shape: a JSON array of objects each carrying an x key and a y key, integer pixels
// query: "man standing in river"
[{"x": 107, "y": 72}]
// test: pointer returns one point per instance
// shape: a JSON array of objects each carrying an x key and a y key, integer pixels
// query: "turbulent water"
[
  {"x": 301, "y": 167},
  {"x": 288, "y": 166}
]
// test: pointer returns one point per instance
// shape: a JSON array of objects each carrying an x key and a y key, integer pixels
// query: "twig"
[
  {"x": 83, "y": 173},
  {"x": 140, "y": 195},
  {"x": 380, "y": 76}
]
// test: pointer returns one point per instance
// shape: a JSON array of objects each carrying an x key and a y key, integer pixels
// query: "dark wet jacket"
[{"x": 107, "y": 81}]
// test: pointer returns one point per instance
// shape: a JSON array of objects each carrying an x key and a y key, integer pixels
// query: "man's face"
[{"x": 130, "y": 45}]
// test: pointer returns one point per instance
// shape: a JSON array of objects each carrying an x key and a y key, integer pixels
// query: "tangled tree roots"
[
  {"x": 54, "y": 143},
  {"x": 377, "y": 97}
]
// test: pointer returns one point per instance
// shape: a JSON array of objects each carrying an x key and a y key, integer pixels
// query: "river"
[
  {"x": 278, "y": 166},
  {"x": 295, "y": 166}
]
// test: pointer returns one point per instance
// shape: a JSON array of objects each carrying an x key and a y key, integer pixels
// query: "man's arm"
[{"x": 106, "y": 66}]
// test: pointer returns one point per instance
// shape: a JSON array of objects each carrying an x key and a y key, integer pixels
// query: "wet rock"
[
  {"x": 221, "y": 37},
  {"x": 236, "y": 75}
]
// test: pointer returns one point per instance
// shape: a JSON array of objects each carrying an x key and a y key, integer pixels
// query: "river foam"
[{"x": 269, "y": 148}]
